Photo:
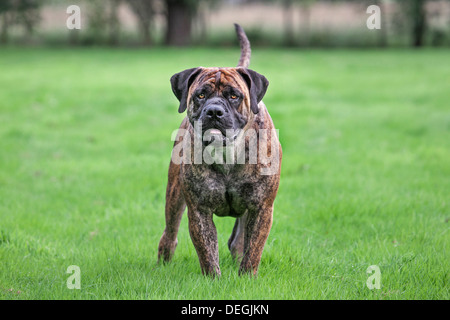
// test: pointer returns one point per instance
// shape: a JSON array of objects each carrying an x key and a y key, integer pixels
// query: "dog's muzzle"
[{"x": 218, "y": 125}]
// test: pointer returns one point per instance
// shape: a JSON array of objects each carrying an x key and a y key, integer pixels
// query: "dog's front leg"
[
  {"x": 204, "y": 236},
  {"x": 258, "y": 227}
]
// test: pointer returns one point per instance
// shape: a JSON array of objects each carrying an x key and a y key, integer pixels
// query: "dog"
[{"x": 223, "y": 106}]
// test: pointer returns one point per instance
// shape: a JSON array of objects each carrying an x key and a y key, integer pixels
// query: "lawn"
[{"x": 85, "y": 147}]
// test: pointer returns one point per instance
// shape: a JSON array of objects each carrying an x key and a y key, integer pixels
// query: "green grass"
[{"x": 85, "y": 147}]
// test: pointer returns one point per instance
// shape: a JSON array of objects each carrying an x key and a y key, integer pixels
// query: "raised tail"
[{"x": 246, "y": 52}]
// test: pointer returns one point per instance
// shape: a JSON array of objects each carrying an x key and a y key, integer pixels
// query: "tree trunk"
[
  {"x": 4, "y": 28},
  {"x": 179, "y": 26},
  {"x": 419, "y": 22},
  {"x": 382, "y": 38}
]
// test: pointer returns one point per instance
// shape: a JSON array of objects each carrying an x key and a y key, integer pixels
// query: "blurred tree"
[
  {"x": 179, "y": 15},
  {"x": 288, "y": 22},
  {"x": 414, "y": 12},
  {"x": 5, "y": 19},
  {"x": 305, "y": 6},
  {"x": 417, "y": 15},
  {"x": 382, "y": 33},
  {"x": 200, "y": 21},
  {"x": 438, "y": 23},
  {"x": 104, "y": 21},
  {"x": 97, "y": 21},
  {"x": 114, "y": 22},
  {"x": 288, "y": 19},
  {"x": 22, "y": 12},
  {"x": 28, "y": 14},
  {"x": 144, "y": 12}
]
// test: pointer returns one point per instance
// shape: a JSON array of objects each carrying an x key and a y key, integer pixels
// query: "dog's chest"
[{"x": 221, "y": 193}]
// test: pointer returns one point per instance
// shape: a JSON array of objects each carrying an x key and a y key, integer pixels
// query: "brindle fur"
[{"x": 236, "y": 190}]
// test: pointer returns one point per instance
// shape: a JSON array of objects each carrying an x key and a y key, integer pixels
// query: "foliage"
[
  {"x": 144, "y": 10},
  {"x": 20, "y": 12}
]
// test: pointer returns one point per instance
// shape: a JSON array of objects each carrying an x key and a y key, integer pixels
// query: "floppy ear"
[
  {"x": 257, "y": 86},
  {"x": 180, "y": 85}
]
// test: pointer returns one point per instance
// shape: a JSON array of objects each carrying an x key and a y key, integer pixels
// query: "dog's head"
[{"x": 221, "y": 99}]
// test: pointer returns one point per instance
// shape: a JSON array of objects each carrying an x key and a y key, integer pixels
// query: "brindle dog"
[{"x": 226, "y": 102}]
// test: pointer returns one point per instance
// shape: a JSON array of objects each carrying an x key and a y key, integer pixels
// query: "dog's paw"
[{"x": 166, "y": 248}]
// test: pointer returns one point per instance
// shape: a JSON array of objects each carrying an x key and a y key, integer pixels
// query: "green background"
[{"x": 85, "y": 147}]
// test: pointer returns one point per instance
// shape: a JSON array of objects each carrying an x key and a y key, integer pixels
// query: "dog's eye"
[
  {"x": 233, "y": 96},
  {"x": 201, "y": 96}
]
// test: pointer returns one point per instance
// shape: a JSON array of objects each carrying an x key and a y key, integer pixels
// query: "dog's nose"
[{"x": 215, "y": 111}]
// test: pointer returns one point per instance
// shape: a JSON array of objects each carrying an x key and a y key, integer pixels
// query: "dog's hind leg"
[{"x": 236, "y": 240}]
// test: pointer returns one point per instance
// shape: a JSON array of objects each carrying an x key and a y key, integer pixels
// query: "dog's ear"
[
  {"x": 180, "y": 85},
  {"x": 257, "y": 86}
]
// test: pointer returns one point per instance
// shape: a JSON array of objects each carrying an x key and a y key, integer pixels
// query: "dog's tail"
[{"x": 246, "y": 52}]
